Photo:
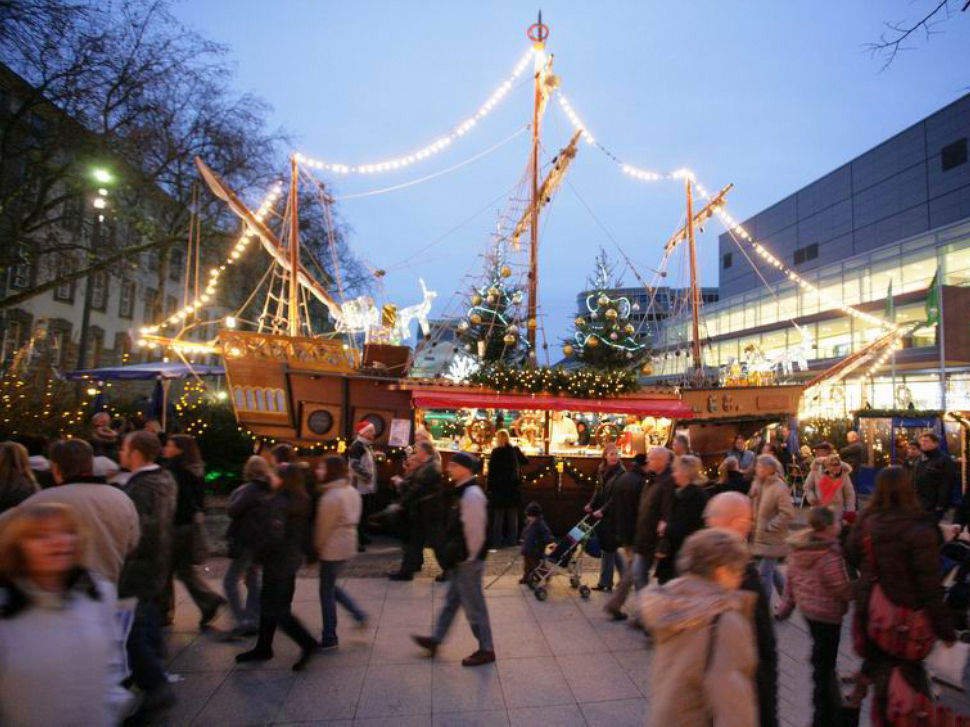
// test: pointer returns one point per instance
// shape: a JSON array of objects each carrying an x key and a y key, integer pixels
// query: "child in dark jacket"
[
  {"x": 818, "y": 582},
  {"x": 535, "y": 538}
]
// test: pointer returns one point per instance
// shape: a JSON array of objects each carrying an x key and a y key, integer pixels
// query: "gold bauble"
[
  {"x": 476, "y": 319},
  {"x": 531, "y": 323},
  {"x": 509, "y": 339},
  {"x": 603, "y": 300},
  {"x": 580, "y": 321},
  {"x": 592, "y": 342},
  {"x": 567, "y": 350},
  {"x": 646, "y": 369},
  {"x": 476, "y": 299},
  {"x": 490, "y": 300},
  {"x": 506, "y": 271},
  {"x": 629, "y": 328},
  {"x": 611, "y": 314},
  {"x": 493, "y": 290}
]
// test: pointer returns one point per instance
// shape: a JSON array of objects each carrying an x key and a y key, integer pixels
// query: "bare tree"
[{"x": 894, "y": 39}]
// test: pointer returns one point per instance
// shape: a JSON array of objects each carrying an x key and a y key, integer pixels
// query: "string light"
[
  {"x": 435, "y": 146},
  {"x": 574, "y": 118},
  {"x": 215, "y": 274}
]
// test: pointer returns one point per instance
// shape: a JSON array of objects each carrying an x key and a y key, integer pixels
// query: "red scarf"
[{"x": 827, "y": 488}]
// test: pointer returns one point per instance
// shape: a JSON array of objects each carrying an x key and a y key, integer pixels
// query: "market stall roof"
[
  {"x": 144, "y": 372},
  {"x": 472, "y": 398}
]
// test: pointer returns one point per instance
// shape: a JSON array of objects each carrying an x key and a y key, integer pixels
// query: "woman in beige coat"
[
  {"x": 773, "y": 510},
  {"x": 335, "y": 541},
  {"x": 704, "y": 666},
  {"x": 828, "y": 485}
]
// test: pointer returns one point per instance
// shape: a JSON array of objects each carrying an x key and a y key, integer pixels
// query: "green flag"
[
  {"x": 933, "y": 300},
  {"x": 889, "y": 312}
]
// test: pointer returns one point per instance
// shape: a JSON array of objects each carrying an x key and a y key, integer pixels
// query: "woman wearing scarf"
[{"x": 828, "y": 485}]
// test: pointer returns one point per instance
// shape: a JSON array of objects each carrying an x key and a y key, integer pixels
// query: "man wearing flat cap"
[{"x": 463, "y": 555}]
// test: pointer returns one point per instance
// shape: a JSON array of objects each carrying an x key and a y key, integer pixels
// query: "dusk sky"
[{"x": 766, "y": 95}]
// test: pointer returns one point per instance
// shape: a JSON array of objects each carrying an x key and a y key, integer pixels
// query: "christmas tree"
[
  {"x": 605, "y": 336},
  {"x": 491, "y": 329}
]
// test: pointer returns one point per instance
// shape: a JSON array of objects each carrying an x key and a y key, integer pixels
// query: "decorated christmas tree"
[
  {"x": 491, "y": 329},
  {"x": 605, "y": 335}
]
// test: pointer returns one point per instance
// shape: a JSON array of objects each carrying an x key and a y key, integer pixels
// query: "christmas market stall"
[{"x": 561, "y": 433}]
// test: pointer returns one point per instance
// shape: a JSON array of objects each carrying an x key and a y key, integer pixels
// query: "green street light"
[{"x": 101, "y": 175}]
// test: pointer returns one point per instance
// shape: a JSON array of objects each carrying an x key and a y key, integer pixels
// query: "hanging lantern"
[
  {"x": 567, "y": 350},
  {"x": 476, "y": 299},
  {"x": 603, "y": 301},
  {"x": 531, "y": 323},
  {"x": 592, "y": 342},
  {"x": 611, "y": 313},
  {"x": 506, "y": 271},
  {"x": 476, "y": 319},
  {"x": 580, "y": 321},
  {"x": 509, "y": 339}
]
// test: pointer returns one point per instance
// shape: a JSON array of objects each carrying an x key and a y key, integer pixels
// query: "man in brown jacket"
[{"x": 656, "y": 500}]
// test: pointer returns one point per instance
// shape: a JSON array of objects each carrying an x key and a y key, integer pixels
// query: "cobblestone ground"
[{"x": 559, "y": 662}]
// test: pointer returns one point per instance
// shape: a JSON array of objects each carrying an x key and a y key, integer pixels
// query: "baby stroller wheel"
[
  {"x": 584, "y": 592},
  {"x": 574, "y": 581},
  {"x": 541, "y": 593}
]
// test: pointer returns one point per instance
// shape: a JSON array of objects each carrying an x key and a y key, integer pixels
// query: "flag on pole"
[
  {"x": 933, "y": 300},
  {"x": 889, "y": 312}
]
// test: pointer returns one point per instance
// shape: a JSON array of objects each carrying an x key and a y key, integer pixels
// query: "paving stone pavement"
[{"x": 560, "y": 662}]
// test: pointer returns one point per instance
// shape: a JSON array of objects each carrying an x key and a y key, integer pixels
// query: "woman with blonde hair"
[
  {"x": 17, "y": 481},
  {"x": 504, "y": 484},
  {"x": 602, "y": 507},
  {"x": 57, "y": 623},
  {"x": 686, "y": 513},
  {"x": 773, "y": 510}
]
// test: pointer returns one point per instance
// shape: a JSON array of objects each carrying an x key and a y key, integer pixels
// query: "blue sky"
[{"x": 766, "y": 95}]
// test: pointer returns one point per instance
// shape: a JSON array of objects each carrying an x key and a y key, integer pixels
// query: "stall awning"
[
  {"x": 641, "y": 406},
  {"x": 162, "y": 370}
]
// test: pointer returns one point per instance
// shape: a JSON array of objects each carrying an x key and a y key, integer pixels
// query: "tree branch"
[{"x": 891, "y": 46}]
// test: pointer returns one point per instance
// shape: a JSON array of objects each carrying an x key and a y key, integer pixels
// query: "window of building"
[
  {"x": 171, "y": 303},
  {"x": 99, "y": 290},
  {"x": 727, "y": 260},
  {"x": 58, "y": 339},
  {"x": 126, "y": 300},
  {"x": 20, "y": 274},
  {"x": 13, "y": 333},
  {"x": 64, "y": 292},
  {"x": 95, "y": 347},
  {"x": 799, "y": 256},
  {"x": 176, "y": 264},
  {"x": 153, "y": 308},
  {"x": 953, "y": 155},
  {"x": 957, "y": 263},
  {"x": 804, "y": 254}
]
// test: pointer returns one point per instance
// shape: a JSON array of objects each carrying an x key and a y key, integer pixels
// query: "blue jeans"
[
  {"x": 607, "y": 563},
  {"x": 770, "y": 575},
  {"x": 146, "y": 648},
  {"x": 243, "y": 568},
  {"x": 330, "y": 595},
  {"x": 465, "y": 590},
  {"x": 641, "y": 572}
]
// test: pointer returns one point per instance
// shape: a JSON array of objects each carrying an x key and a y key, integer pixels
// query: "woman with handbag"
[
  {"x": 504, "y": 483},
  {"x": 184, "y": 461},
  {"x": 900, "y": 612},
  {"x": 601, "y": 506}
]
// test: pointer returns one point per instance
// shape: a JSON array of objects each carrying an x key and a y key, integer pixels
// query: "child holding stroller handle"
[{"x": 535, "y": 538}]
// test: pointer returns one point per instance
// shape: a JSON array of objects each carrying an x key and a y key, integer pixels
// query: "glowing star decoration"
[{"x": 462, "y": 368}]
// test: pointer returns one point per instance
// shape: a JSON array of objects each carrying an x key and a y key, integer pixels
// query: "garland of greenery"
[
  {"x": 906, "y": 413},
  {"x": 583, "y": 383}
]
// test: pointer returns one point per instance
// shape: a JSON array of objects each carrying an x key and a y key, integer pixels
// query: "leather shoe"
[
  {"x": 479, "y": 658},
  {"x": 426, "y": 642}
]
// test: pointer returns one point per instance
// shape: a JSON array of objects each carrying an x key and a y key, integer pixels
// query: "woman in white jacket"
[{"x": 335, "y": 541}]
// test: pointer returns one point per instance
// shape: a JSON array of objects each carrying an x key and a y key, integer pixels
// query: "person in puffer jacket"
[
  {"x": 818, "y": 583},
  {"x": 704, "y": 666}
]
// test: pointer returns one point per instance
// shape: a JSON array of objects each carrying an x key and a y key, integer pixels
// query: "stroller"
[
  {"x": 565, "y": 560},
  {"x": 955, "y": 561}
]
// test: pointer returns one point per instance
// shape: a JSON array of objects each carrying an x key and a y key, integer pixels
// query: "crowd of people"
[{"x": 88, "y": 560}]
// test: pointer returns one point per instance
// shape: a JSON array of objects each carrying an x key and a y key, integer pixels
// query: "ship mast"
[
  {"x": 538, "y": 34},
  {"x": 695, "y": 293},
  {"x": 294, "y": 287}
]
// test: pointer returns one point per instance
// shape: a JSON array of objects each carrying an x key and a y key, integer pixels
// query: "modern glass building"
[{"x": 896, "y": 215}]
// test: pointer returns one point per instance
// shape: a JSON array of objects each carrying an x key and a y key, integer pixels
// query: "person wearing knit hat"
[
  {"x": 463, "y": 553},
  {"x": 363, "y": 475}
]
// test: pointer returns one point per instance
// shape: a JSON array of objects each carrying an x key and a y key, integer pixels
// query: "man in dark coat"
[
  {"x": 626, "y": 504},
  {"x": 852, "y": 454},
  {"x": 145, "y": 573},
  {"x": 732, "y": 511},
  {"x": 656, "y": 500},
  {"x": 934, "y": 476},
  {"x": 423, "y": 504}
]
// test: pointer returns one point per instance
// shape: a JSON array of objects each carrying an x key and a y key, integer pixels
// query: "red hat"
[{"x": 362, "y": 425}]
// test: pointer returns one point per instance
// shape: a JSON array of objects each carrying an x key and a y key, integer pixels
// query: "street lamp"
[{"x": 102, "y": 175}]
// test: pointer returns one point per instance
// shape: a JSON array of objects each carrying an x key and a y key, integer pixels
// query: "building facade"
[{"x": 884, "y": 224}]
